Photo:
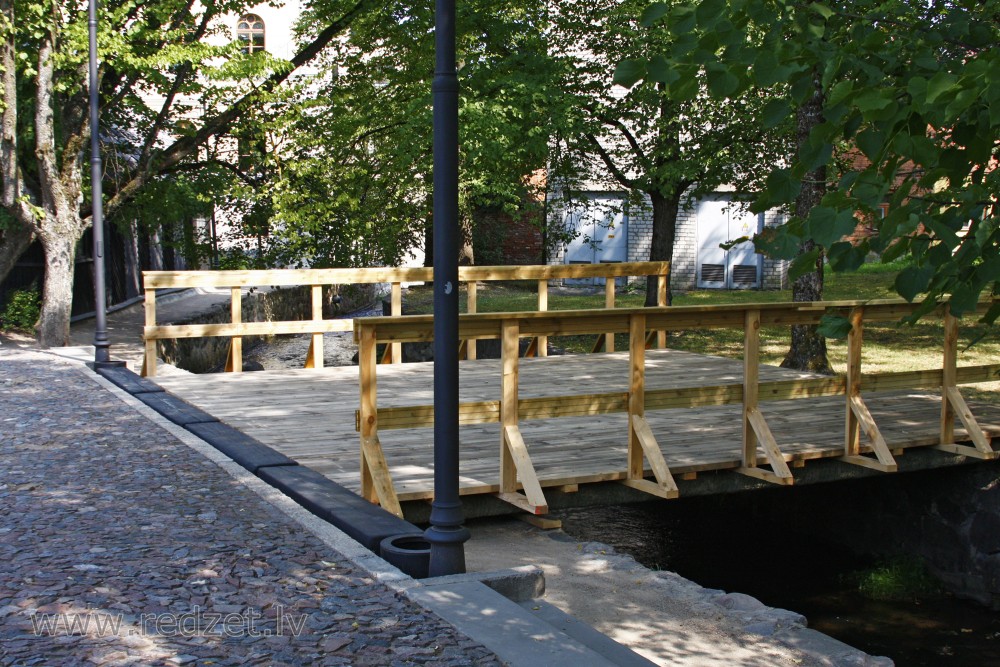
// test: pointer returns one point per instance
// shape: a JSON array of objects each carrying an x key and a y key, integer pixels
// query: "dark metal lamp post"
[
  {"x": 102, "y": 347},
  {"x": 446, "y": 534}
]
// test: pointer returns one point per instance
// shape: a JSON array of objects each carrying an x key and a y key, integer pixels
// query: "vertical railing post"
[
  {"x": 609, "y": 303},
  {"x": 661, "y": 300},
  {"x": 543, "y": 305},
  {"x": 471, "y": 307},
  {"x": 508, "y": 401},
  {"x": 367, "y": 361},
  {"x": 636, "y": 391},
  {"x": 149, "y": 358},
  {"x": 852, "y": 426},
  {"x": 751, "y": 385},
  {"x": 397, "y": 310},
  {"x": 314, "y": 358},
  {"x": 949, "y": 374},
  {"x": 235, "y": 362}
]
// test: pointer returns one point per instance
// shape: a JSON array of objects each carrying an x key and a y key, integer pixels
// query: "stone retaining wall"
[
  {"x": 206, "y": 355},
  {"x": 950, "y": 518}
]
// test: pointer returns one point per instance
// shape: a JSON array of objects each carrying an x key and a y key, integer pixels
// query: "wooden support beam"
[
  {"x": 314, "y": 358},
  {"x": 385, "y": 492},
  {"x": 665, "y": 487},
  {"x": 857, "y": 416},
  {"x": 471, "y": 306},
  {"x": 779, "y": 473},
  {"x": 952, "y": 402},
  {"x": 542, "y": 342},
  {"x": 368, "y": 417},
  {"x": 600, "y": 343},
  {"x": 982, "y": 444},
  {"x": 149, "y": 343},
  {"x": 397, "y": 310},
  {"x": 234, "y": 362},
  {"x": 532, "y": 349},
  {"x": 525, "y": 470},
  {"x": 641, "y": 442}
]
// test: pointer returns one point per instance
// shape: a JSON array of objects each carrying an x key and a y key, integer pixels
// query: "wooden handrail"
[
  {"x": 349, "y": 276},
  {"x": 419, "y": 328},
  {"x": 316, "y": 279}
]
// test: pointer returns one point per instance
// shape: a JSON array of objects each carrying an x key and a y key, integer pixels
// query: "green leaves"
[
  {"x": 834, "y": 326},
  {"x": 630, "y": 71}
]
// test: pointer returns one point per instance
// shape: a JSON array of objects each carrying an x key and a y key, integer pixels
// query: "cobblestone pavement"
[{"x": 106, "y": 519}]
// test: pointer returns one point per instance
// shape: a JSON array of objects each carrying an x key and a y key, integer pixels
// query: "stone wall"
[
  {"x": 207, "y": 355},
  {"x": 949, "y": 517}
]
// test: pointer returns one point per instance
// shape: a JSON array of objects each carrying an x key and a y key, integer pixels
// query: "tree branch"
[
  {"x": 618, "y": 174},
  {"x": 185, "y": 146}
]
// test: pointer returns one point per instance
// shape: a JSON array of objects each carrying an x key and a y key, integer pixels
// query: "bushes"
[{"x": 21, "y": 311}]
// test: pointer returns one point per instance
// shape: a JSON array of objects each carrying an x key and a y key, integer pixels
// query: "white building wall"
[{"x": 684, "y": 271}]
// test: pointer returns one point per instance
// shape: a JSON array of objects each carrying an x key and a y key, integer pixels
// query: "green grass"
[
  {"x": 888, "y": 346},
  {"x": 902, "y": 578}
]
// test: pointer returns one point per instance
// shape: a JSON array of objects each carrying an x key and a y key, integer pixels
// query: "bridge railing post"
[
  {"x": 949, "y": 371},
  {"x": 149, "y": 343},
  {"x": 234, "y": 363},
  {"x": 314, "y": 357},
  {"x": 367, "y": 360},
  {"x": 396, "y": 311},
  {"x": 471, "y": 306},
  {"x": 636, "y": 392},
  {"x": 543, "y": 305}
]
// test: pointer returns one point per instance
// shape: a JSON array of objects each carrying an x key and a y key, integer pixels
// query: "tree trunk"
[
  {"x": 59, "y": 243},
  {"x": 808, "y": 348},
  {"x": 665, "y": 210},
  {"x": 13, "y": 243}
]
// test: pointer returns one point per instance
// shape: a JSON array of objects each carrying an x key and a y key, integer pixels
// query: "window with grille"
[{"x": 250, "y": 33}]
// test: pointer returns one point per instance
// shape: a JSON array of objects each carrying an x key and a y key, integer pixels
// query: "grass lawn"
[{"x": 887, "y": 346}]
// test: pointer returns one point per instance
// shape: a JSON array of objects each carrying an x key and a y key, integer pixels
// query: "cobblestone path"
[{"x": 119, "y": 545}]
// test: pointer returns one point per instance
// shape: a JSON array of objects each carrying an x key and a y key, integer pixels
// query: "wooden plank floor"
[{"x": 309, "y": 415}]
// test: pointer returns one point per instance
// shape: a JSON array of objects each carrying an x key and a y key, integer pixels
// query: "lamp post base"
[{"x": 447, "y": 549}]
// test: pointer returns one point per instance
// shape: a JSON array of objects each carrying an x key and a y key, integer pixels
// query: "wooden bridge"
[{"x": 640, "y": 418}]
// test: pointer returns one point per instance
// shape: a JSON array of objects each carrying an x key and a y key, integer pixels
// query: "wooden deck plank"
[{"x": 309, "y": 415}]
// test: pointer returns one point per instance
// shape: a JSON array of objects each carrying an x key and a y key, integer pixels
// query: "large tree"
[
  {"x": 157, "y": 69},
  {"x": 358, "y": 150},
  {"x": 911, "y": 91},
  {"x": 664, "y": 138}
]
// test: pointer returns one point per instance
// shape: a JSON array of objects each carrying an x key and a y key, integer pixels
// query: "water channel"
[{"x": 712, "y": 541}]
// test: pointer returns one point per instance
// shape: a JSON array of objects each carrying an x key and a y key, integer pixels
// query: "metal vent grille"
[
  {"x": 713, "y": 273},
  {"x": 745, "y": 275}
]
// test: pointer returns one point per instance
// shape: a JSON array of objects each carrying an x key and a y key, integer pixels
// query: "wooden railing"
[
  {"x": 317, "y": 279},
  {"x": 516, "y": 465}
]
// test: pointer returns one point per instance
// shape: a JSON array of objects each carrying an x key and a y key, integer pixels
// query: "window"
[{"x": 250, "y": 33}]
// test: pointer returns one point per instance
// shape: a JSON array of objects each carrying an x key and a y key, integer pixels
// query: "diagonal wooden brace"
[
  {"x": 779, "y": 473},
  {"x": 532, "y": 500},
  {"x": 982, "y": 448},
  {"x": 883, "y": 460},
  {"x": 664, "y": 487},
  {"x": 371, "y": 450}
]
